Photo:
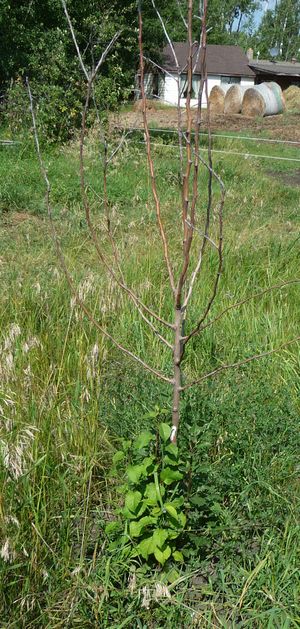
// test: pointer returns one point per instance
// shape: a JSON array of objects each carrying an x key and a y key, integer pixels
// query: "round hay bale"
[
  {"x": 217, "y": 98},
  {"x": 253, "y": 103},
  {"x": 277, "y": 91},
  {"x": 234, "y": 99},
  {"x": 292, "y": 98},
  {"x": 265, "y": 99}
]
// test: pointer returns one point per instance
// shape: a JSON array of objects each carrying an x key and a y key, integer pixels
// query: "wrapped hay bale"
[
  {"x": 253, "y": 103},
  {"x": 278, "y": 95},
  {"x": 217, "y": 98},
  {"x": 292, "y": 98},
  {"x": 234, "y": 99},
  {"x": 265, "y": 99}
]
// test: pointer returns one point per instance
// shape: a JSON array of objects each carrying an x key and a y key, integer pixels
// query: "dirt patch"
[
  {"x": 290, "y": 179},
  {"x": 283, "y": 126}
]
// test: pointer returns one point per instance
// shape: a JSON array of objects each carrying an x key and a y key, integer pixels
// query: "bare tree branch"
[
  {"x": 84, "y": 70},
  {"x": 160, "y": 68},
  {"x": 60, "y": 254},
  {"x": 239, "y": 363},
  {"x": 187, "y": 232},
  {"x": 168, "y": 38},
  {"x": 202, "y": 234},
  {"x": 90, "y": 79},
  {"x": 150, "y": 161},
  {"x": 105, "y": 53},
  {"x": 200, "y": 328},
  {"x": 100, "y": 253},
  {"x": 179, "y": 117},
  {"x": 181, "y": 14}
]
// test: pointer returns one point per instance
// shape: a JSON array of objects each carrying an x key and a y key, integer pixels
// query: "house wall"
[
  {"x": 247, "y": 82},
  {"x": 170, "y": 93}
]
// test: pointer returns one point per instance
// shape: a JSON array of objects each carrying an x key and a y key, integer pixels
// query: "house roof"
[
  {"x": 224, "y": 60},
  {"x": 281, "y": 68}
]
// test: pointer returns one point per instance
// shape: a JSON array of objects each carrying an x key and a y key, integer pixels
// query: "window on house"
[
  {"x": 155, "y": 86},
  {"x": 230, "y": 79},
  {"x": 184, "y": 86}
]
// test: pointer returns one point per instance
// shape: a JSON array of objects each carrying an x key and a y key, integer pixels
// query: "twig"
[
  {"x": 84, "y": 70},
  {"x": 187, "y": 233},
  {"x": 206, "y": 237},
  {"x": 100, "y": 253},
  {"x": 239, "y": 364},
  {"x": 181, "y": 15},
  {"x": 61, "y": 257},
  {"x": 90, "y": 79},
  {"x": 150, "y": 161},
  {"x": 202, "y": 234},
  {"x": 179, "y": 117},
  {"x": 104, "y": 54},
  {"x": 200, "y": 328}
]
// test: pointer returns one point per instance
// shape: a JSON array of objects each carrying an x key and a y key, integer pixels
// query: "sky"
[{"x": 267, "y": 4}]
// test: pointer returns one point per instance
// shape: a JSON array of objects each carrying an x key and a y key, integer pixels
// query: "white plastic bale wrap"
[
  {"x": 265, "y": 99},
  {"x": 234, "y": 98}
]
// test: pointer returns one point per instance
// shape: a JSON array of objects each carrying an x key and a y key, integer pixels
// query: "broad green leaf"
[
  {"x": 216, "y": 508},
  {"x": 147, "y": 462},
  {"x": 178, "y": 556},
  {"x": 118, "y": 543},
  {"x": 182, "y": 519},
  {"x": 112, "y": 526},
  {"x": 151, "y": 494},
  {"x": 150, "y": 415},
  {"x": 173, "y": 575},
  {"x": 134, "y": 472},
  {"x": 132, "y": 501},
  {"x": 168, "y": 460},
  {"x": 172, "y": 449},
  {"x": 143, "y": 440},
  {"x": 173, "y": 533},
  {"x": 118, "y": 456},
  {"x": 145, "y": 547},
  {"x": 171, "y": 510},
  {"x": 136, "y": 527},
  {"x": 160, "y": 536},
  {"x": 177, "y": 502},
  {"x": 156, "y": 511},
  {"x": 164, "y": 431},
  {"x": 162, "y": 555},
  {"x": 169, "y": 476}
]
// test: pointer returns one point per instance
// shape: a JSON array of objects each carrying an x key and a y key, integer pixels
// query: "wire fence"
[
  {"x": 221, "y": 135},
  {"x": 247, "y": 155}
]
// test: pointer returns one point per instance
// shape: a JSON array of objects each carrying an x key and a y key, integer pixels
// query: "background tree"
[
  {"x": 280, "y": 28},
  {"x": 35, "y": 42}
]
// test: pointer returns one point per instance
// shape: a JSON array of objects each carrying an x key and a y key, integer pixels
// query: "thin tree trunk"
[{"x": 177, "y": 373}]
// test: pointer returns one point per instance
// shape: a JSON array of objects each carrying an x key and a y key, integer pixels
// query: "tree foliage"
[
  {"x": 36, "y": 42},
  {"x": 280, "y": 28}
]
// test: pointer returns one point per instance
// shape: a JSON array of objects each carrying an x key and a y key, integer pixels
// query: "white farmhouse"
[{"x": 225, "y": 64}]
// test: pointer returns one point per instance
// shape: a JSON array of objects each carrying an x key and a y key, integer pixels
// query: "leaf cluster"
[{"x": 151, "y": 519}]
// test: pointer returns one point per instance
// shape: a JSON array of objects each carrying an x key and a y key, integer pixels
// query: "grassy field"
[{"x": 67, "y": 396}]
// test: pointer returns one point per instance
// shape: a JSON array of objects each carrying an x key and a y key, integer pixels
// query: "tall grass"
[{"x": 66, "y": 395}]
